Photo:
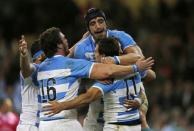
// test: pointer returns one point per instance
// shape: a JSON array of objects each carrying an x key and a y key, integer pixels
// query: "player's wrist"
[
  {"x": 140, "y": 101},
  {"x": 135, "y": 68},
  {"x": 116, "y": 60}
]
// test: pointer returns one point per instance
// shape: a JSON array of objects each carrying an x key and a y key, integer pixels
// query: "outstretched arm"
[
  {"x": 91, "y": 95},
  {"x": 126, "y": 59},
  {"x": 26, "y": 67},
  {"x": 103, "y": 71}
]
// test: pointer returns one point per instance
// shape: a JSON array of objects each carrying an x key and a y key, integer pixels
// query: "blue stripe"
[
  {"x": 59, "y": 96},
  {"x": 121, "y": 83},
  {"x": 131, "y": 112},
  {"x": 37, "y": 54},
  {"x": 51, "y": 118},
  {"x": 129, "y": 121},
  {"x": 53, "y": 63}
]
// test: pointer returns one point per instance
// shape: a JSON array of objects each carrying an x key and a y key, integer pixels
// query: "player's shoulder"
[
  {"x": 84, "y": 42},
  {"x": 117, "y": 33}
]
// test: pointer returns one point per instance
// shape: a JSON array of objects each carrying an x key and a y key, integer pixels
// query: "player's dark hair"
[
  {"x": 49, "y": 40},
  {"x": 35, "y": 47},
  {"x": 109, "y": 46},
  {"x": 93, "y": 13}
]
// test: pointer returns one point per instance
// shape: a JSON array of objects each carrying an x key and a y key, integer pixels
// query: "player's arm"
[
  {"x": 91, "y": 95},
  {"x": 26, "y": 67},
  {"x": 134, "y": 49},
  {"x": 126, "y": 59},
  {"x": 103, "y": 71},
  {"x": 150, "y": 75}
]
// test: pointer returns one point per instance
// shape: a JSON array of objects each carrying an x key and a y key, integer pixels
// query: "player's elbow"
[{"x": 151, "y": 75}]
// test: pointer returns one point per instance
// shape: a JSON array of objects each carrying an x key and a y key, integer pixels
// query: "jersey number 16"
[{"x": 50, "y": 93}]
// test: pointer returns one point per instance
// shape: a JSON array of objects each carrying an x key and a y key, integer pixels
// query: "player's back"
[
  {"x": 114, "y": 96},
  {"x": 58, "y": 79}
]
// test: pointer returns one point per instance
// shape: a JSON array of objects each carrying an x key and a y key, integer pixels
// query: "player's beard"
[
  {"x": 66, "y": 50},
  {"x": 98, "y": 36}
]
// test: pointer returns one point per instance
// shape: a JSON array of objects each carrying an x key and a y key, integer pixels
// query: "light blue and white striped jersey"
[
  {"x": 114, "y": 96},
  {"x": 29, "y": 94},
  {"x": 58, "y": 79},
  {"x": 85, "y": 48}
]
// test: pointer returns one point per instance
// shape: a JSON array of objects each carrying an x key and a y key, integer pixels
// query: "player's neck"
[{"x": 60, "y": 52}]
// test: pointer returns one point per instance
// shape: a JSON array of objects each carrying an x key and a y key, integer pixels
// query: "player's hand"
[
  {"x": 23, "y": 45},
  {"x": 106, "y": 81},
  {"x": 107, "y": 60},
  {"x": 145, "y": 64},
  {"x": 52, "y": 109},
  {"x": 134, "y": 103},
  {"x": 131, "y": 103}
]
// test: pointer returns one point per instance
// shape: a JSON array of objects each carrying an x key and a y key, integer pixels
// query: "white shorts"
[
  {"x": 113, "y": 127},
  {"x": 60, "y": 125},
  {"x": 92, "y": 127},
  {"x": 23, "y": 127}
]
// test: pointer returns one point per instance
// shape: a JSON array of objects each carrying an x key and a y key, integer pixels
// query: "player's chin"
[{"x": 100, "y": 35}]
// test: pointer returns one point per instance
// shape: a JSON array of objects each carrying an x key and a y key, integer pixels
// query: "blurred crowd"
[{"x": 164, "y": 29}]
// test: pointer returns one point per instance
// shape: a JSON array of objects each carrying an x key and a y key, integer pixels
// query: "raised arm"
[{"x": 26, "y": 67}]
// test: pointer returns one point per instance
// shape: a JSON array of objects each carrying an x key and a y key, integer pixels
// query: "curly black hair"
[{"x": 49, "y": 40}]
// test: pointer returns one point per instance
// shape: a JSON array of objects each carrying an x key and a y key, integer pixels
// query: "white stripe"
[
  {"x": 53, "y": 73},
  {"x": 99, "y": 89},
  {"x": 91, "y": 68},
  {"x": 122, "y": 91},
  {"x": 73, "y": 90},
  {"x": 128, "y": 116}
]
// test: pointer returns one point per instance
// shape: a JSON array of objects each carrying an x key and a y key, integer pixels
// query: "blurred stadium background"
[{"x": 163, "y": 29}]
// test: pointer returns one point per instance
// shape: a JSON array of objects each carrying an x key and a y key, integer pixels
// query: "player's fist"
[{"x": 23, "y": 45}]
